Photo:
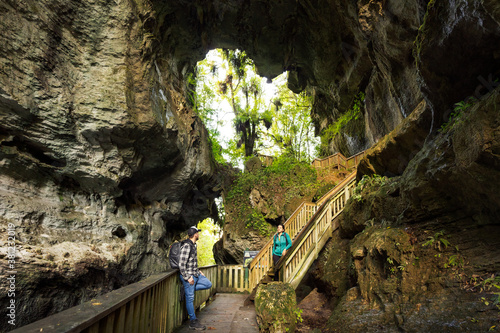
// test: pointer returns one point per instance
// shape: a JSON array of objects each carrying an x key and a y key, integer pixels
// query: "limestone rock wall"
[
  {"x": 102, "y": 160},
  {"x": 102, "y": 154},
  {"x": 419, "y": 252},
  {"x": 335, "y": 49}
]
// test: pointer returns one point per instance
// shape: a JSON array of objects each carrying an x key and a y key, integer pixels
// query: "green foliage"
[
  {"x": 341, "y": 123},
  {"x": 298, "y": 315},
  {"x": 217, "y": 150},
  {"x": 454, "y": 261},
  {"x": 292, "y": 130},
  {"x": 200, "y": 96},
  {"x": 226, "y": 92},
  {"x": 422, "y": 33},
  {"x": 456, "y": 115},
  {"x": 394, "y": 267},
  {"x": 437, "y": 241},
  {"x": 257, "y": 222},
  {"x": 191, "y": 90},
  {"x": 208, "y": 237},
  {"x": 367, "y": 182},
  {"x": 492, "y": 284},
  {"x": 242, "y": 89},
  {"x": 322, "y": 190},
  {"x": 285, "y": 174},
  {"x": 489, "y": 285}
]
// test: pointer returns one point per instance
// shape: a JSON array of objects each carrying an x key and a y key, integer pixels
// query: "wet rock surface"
[
  {"x": 101, "y": 152},
  {"x": 423, "y": 248},
  {"x": 315, "y": 310}
]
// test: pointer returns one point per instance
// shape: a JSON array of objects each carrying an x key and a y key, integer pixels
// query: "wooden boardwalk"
[{"x": 226, "y": 313}]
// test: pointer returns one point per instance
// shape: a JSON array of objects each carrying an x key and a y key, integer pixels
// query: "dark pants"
[{"x": 276, "y": 273}]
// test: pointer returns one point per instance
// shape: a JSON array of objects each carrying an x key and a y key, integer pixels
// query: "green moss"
[
  {"x": 368, "y": 184},
  {"x": 276, "y": 308},
  {"x": 422, "y": 33},
  {"x": 346, "y": 123},
  {"x": 284, "y": 181}
]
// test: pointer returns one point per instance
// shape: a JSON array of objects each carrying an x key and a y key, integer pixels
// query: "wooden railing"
[
  {"x": 150, "y": 305},
  {"x": 262, "y": 263},
  {"x": 154, "y": 305},
  {"x": 338, "y": 161},
  {"x": 311, "y": 240},
  {"x": 233, "y": 278}
]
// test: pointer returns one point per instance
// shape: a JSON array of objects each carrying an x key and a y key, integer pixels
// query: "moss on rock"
[{"x": 276, "y": 307}]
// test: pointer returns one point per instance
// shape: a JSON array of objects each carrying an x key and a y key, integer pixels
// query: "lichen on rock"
[{"x": 276, "y": 308}]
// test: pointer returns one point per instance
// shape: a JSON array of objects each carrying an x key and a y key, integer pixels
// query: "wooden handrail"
[
  {"x": 150, "y": 305},
  {"x": 262, "y": 263},
  {"x": 328, "y": 195},
  {"x": 346, "y": 163},
  {"x": 310, "y": 241},
  {"x": 336, "y": 188},
  {"x": 289, "y": 223},
  {"x": 328, "y": 157},
  {"x": 154, "y": 305}
]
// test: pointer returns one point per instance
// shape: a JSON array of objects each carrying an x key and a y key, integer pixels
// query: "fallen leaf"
[
  {"x": 211, "y": 328},
  {"x": 96, "y": 303}
]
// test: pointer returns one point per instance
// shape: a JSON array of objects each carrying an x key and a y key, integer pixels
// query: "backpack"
[
  {"x": 284, "y": 235},
  {"x": 175, "y": 253}
]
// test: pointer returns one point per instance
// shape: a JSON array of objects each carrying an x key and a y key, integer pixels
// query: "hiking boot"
[{"x": 195, "y": 325}]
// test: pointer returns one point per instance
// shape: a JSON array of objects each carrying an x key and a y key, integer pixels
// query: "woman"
[{"x": 281, "y": 243}]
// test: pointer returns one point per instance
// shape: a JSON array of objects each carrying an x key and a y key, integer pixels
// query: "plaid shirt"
[{"x": 188, "y": 260}]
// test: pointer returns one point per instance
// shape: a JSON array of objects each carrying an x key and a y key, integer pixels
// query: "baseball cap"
[{"x": 191, "y": 231}]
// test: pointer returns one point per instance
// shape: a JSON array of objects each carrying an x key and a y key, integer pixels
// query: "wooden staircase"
[{"x": 309, "y": 227}]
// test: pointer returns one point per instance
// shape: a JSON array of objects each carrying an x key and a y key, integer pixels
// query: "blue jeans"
[{"x": 200, "y": 283}]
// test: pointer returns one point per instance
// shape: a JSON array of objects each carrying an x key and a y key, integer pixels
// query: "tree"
[
  {"x": 292, "y": 130},
  {"x": 243, "y": 89},
  {"x": 210, "y": 234},
  {"x": 204, "y": 101},
  {"x": 227, "y": 86}
]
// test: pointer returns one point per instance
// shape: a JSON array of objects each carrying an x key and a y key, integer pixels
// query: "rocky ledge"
[{"x": 420, "y": 252}]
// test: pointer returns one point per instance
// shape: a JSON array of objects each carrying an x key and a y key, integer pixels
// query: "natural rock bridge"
[{"x": 154, "y": 304}]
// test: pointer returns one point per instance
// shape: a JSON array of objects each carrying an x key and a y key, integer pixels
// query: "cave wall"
[
  {"x": 334, "y": 49},
  {"x": 420, "y": 252},
  {"x": 103, "y": 161}
]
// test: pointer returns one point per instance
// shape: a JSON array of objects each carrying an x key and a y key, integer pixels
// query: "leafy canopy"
[
  {"x": 246, "y": 116},
  {"x": 210, "y": 234}
]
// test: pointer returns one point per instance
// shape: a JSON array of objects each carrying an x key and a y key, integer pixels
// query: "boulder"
[
  {"x": 276, "y": 308},
  {"x": 315, "y": 309}
]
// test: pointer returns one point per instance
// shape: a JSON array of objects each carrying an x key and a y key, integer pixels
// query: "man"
[{"x": 192, "y": 278}]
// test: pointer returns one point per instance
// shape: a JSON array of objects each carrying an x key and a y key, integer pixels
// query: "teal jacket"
[{"x": 281, "y": 244}]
